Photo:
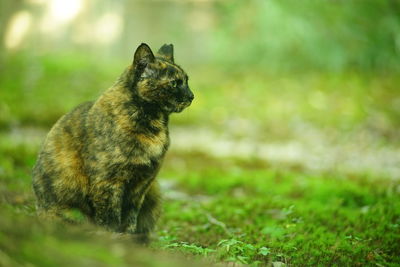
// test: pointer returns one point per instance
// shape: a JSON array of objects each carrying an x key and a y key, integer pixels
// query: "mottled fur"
[{"x": 102, "y": 157}]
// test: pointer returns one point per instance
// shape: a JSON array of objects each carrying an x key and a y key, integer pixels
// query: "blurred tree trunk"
[{"x": 7, "y": 10}]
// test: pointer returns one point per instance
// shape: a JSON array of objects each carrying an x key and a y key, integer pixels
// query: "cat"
[{"x": 102, "y": 158}]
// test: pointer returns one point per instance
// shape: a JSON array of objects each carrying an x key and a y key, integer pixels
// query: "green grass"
[
  {"x": 240, "y": 211},
  {"x": 266, "y": 215},
  {"x": 225, "y": 209},
  {"x": 37, "y": 90}
]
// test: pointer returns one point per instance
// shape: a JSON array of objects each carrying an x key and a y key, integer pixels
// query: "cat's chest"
[
  {"x": 140, "y": 149},
  {"x": 143, "y": 140},
  {"x": 151, "y": 146}
]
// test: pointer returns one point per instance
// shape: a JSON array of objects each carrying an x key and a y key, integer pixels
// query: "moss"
[{"x": 332, "y": 222}]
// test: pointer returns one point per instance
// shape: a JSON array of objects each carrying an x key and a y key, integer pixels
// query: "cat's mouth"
[{"x": 181, "y": 106}]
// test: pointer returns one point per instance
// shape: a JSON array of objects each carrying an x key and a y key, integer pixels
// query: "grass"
[
  {"x": 260, "y": 215},
  {"x": 216, "y": 209},
  {"x": 334, "y": 101},
  {"x": 239, "y": 213}
]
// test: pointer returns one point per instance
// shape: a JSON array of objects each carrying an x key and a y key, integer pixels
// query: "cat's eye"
[{"x": 176, "y": 83}]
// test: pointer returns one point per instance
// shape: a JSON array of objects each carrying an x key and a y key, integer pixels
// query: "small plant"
[
  {"x": 238, "y": 251},
  {"x": 190, "y": 248}
]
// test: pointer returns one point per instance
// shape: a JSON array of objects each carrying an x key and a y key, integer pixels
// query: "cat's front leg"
[
  {"x": 107, "y": 202},
  {"x": 148, "y": 215}
]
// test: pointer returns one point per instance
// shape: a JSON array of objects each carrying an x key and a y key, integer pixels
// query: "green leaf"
[{"x": 264, "y": 251}]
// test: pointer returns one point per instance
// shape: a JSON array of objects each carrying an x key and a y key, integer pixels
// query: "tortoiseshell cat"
[{"x": 102, "y": 157}]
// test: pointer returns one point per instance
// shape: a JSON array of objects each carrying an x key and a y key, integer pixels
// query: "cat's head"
[{"x": 159, "y": 80}]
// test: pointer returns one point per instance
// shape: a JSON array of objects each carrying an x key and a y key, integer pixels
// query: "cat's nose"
[{"x": 190, "y": 96}]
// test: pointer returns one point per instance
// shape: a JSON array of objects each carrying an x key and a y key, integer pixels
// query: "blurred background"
[
  {"x": 313, "y": 83},
  {"x": 289, "y": 153}
]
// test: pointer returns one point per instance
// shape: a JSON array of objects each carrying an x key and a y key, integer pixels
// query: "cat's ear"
[
  {"x": 143, "y": 55},
  {"x": 167, "y": 51}
]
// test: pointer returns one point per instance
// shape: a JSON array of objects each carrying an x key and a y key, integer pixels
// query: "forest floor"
[
  {"x": 294, "y": 170},
  {"x": 219, "y": 207}
]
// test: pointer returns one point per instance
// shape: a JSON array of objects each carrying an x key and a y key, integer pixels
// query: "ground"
[{"x": 264, "y": 169}]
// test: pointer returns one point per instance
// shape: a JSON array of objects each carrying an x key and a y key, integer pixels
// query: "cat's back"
[
  {"x": 64, "y": 142},
  {"x": 70, "y": 129}
]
